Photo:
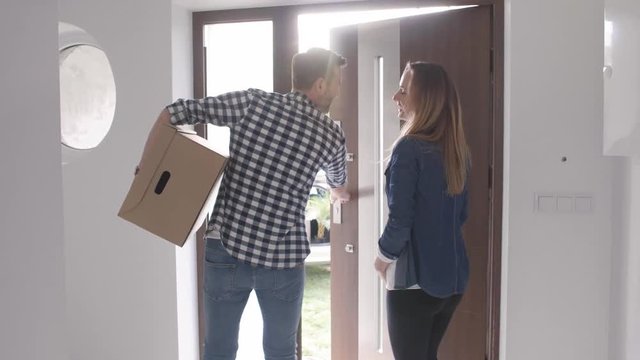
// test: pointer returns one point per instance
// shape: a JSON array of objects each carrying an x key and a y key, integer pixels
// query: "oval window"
[{"x": 87, "y": 89}]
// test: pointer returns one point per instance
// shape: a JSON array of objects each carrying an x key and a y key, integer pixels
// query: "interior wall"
[
  {"x": 32, "y": 300},
  {"x": 181, "y": 52},
  {"x": 121, "y": 280},
  {"x": 186, "y": 270},
  {"x": 625, "y": 283},
  {"x": 632, "y": 293},
  {"x": 557, "y": 265}
]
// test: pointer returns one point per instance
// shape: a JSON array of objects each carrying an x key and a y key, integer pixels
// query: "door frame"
[{"x": 285, "y": 46}]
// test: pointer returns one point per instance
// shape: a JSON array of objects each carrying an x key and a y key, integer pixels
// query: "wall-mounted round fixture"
[
  {"x": 607, "y": 70},
  {"x": 87, "y": 92}
]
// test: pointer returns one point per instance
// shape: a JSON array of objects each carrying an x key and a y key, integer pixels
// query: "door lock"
[{"x": 350, "y": 157}]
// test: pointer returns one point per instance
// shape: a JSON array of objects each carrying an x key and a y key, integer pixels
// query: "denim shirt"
[{"x": 424, "y": 220}]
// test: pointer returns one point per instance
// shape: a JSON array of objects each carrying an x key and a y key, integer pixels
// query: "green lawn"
[{"x": 316, "y": 315}]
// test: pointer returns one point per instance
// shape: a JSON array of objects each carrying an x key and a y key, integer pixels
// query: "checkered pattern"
[{"x": 279, "y": 142}]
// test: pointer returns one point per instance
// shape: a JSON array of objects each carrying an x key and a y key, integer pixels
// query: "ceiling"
[{"x": 201, "y": 5}]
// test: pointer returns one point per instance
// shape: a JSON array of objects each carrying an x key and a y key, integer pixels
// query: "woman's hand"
[{"x": 381, "y": 267}]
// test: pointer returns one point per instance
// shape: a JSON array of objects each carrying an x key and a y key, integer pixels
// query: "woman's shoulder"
[{"x": 417, "y": 146}]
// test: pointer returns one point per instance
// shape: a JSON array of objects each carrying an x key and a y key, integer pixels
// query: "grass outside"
[{"x": 316, "y": 314}]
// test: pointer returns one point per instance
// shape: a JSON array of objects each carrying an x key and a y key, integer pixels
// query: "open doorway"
[{"x": 355, "y": 313}]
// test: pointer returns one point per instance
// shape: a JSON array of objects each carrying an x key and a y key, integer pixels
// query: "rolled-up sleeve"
[
  {"x": 223, "y": 110},
  {"x": 336, "y": 170},
  {"x": 402, "y": 181}
]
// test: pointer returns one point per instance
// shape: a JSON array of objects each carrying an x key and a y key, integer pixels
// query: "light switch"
[
  {"x": 583, "y": 204},
  {"x": 546, "y": 203},
  {"x": 565, "y": 203}
]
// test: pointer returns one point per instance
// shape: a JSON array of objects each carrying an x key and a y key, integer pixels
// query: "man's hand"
[
  {"x": 381, "y": 267},
  {"x": 340, "y": 194}
]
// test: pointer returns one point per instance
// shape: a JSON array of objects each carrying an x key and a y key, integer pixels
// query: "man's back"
[{"x": 278, "y": 144}]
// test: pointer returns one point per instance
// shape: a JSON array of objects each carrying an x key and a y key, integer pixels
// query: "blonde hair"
[{"x": 438, "y": 119}]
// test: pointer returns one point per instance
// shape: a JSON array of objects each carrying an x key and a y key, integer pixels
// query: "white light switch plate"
[{"x": 563, "y": 203}]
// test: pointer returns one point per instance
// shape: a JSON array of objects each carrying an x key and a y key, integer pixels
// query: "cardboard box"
[{"x": 171, "y": 195}]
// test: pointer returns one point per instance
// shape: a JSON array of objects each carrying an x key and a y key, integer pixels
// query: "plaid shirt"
[{"x": 278, "y": 144}]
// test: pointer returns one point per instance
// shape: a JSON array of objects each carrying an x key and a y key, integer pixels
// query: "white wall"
[
  {"x": 121, "y": 280},
  {"x": 32, "y": 299},
  {"x": 625, "y": 289},
  {"x": 622, "y": 137},
  {"x": 557, "y": 266},
  {"x": 186, "y": 270},
  {"x": 632, "y": 293},
  {"x": 182, "y": 52}
]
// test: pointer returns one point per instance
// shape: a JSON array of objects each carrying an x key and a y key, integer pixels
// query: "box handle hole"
[{"x": 162, "y": 183}]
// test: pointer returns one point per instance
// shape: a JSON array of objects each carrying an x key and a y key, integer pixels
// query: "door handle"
[
  {"x": 337, "y": 212},
  {"x": 349, "y": 248}
]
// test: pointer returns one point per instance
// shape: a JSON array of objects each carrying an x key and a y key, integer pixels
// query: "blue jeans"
[{"x": 227, "y": 285}]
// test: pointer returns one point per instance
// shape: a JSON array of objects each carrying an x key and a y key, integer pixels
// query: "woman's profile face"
[{"x": 403, "y": 97}]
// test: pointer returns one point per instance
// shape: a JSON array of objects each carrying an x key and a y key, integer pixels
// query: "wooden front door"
[{"x": 462, "y": 41}]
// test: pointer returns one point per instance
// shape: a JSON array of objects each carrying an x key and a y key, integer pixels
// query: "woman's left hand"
[{"x": 381, "y": 268}]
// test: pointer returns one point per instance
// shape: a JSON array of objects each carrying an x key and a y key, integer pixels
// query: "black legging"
[{"x": 417, "y": 323}]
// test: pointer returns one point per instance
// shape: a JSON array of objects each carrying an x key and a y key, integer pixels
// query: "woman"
[{"x": 421, "y": 253}]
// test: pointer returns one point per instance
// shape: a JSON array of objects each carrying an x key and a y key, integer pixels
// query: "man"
[{"x": 256, "y": 238}]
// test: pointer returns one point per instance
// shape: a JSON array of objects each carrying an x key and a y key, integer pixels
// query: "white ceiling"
[{"x": 201, "y": 5}]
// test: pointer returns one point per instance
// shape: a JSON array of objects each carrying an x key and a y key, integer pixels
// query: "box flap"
[
  {"x": 142, "y": 180},
  {"x": 199, "y": 140}
]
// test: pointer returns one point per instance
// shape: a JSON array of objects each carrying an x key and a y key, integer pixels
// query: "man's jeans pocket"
[
  {"x": 289, "y": 283},
  {"x": 220, "y": 269}
]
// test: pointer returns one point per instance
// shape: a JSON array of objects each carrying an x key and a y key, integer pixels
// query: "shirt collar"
[{"x": 309, "y": 107}]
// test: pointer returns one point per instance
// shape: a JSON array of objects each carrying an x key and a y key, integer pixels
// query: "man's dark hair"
[{"x": 315, "y": 63}]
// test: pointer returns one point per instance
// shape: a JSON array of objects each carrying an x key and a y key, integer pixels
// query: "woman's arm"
[{"x": 402, "y": 188}]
